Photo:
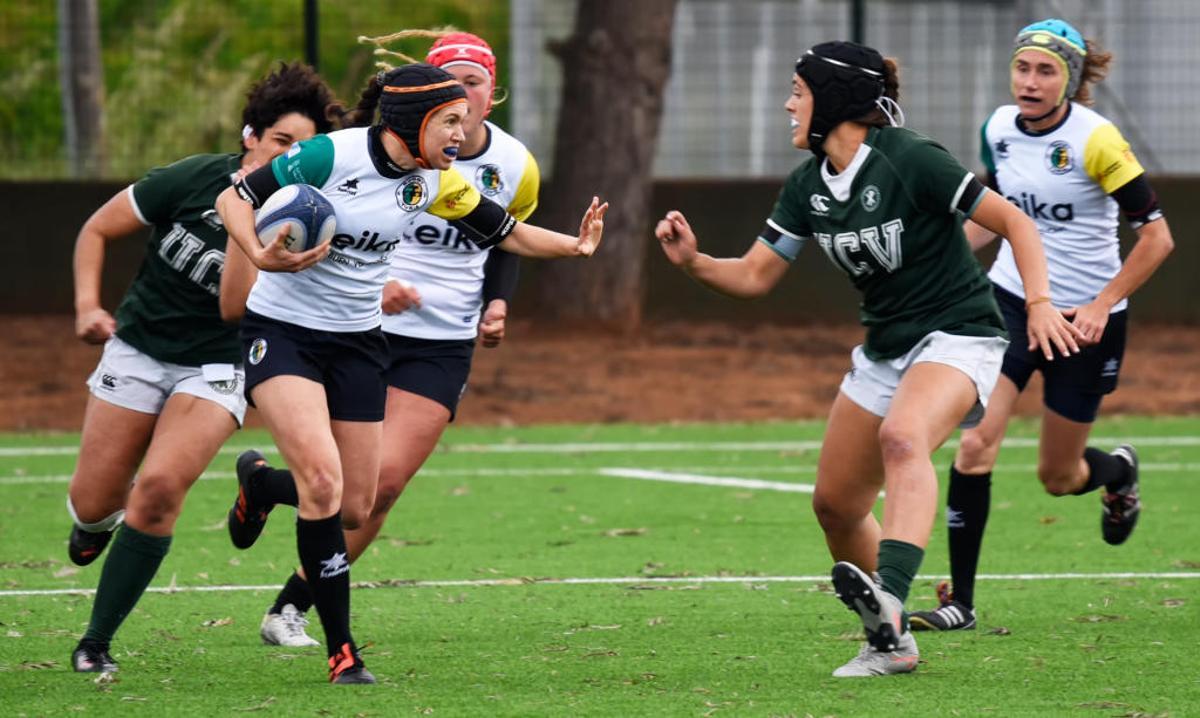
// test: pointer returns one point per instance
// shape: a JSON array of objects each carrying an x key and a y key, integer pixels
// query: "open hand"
[
  {"x": 1048, "y": 330},
  {"x": 591, "y": 229}
]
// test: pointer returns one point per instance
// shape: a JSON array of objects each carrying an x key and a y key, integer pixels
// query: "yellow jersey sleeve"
[
  {"x": 456, "y": 197},
  {"x": 1108, "y": 159},
  {"x": 525, "y": 200}
]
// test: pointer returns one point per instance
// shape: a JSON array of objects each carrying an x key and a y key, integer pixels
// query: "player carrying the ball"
[
  {"x": 168, "y": 390},
  {"x": 312, "y": 341}
]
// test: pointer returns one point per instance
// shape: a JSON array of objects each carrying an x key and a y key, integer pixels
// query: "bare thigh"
[
  {"x": 358, "y": 446},
  {"x": 188, "y": 435},
  {"x": 850, "y": 469},
  {"x": 295, "y": 411},
  {"x": 412, "y": 427},
  {"x": 112, "y": 446}
]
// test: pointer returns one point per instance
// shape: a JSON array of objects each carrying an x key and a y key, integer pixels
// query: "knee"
[
  {"x": 977, "y": 451},
  {"x": 324, "y": 491},
  {"x": 1057, "y": 480},
  {"x": 833, "y": 517},
  {"x": 391, "y": 485},
  {"x": 899, "y": 444},
  {"x": 155, "y": 502}
]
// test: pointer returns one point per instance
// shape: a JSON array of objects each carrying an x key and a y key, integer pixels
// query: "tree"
[
  {"x": 615, "y": 66},
  {"x": 82, "y": 79}
]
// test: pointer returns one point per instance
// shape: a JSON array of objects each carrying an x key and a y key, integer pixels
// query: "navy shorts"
[
  {"x": 349, "y": 364},
  {"x": 1074, "y": 386},
  {"x": 436, "y": 369}
]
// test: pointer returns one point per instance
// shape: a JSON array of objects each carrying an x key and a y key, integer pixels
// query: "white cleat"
[
  {"x": 286, "y": 629},
  {"x": 870, "y": 662}
]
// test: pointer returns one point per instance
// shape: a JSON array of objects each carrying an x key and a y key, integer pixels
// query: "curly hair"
[{"x": 294, "y": 87}]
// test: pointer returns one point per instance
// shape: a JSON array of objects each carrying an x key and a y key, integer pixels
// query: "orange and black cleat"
[
  {"x": 345, "y": 667},
  {"x": 246, "y": 518}
]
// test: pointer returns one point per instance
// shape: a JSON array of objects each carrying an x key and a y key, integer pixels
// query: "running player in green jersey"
[
  {"x": 1070, "y": 169},
  {"x": 168, "y": 390},
  {"x": 885, "y": 205}
]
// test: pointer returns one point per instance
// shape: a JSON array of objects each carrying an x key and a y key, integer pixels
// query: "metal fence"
[{"x": 732, "y": 63}]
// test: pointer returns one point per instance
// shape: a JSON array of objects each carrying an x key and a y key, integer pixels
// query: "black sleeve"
[
  {"x": 969, "y": 198},
  {"x": 500, "y": 275},
  {"x": 1137, "y": 201},
  {"x": 487, "y": 225},
  {"x": 989, "y": 180},
  {"x": 257, "y": 186}
]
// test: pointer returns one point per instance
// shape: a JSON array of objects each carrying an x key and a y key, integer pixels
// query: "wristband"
[{"x": 1038, "y": 300}]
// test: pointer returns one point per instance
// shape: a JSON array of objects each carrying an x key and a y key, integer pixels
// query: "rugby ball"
[{"x": 309, "y": 215}]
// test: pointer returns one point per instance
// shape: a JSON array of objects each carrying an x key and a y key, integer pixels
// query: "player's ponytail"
[
  {"x": 363, "y": 114},
  {"x": 1095, "y": 69}
]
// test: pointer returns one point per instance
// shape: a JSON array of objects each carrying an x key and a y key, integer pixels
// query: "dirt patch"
[{"x": 668, "y": 372}]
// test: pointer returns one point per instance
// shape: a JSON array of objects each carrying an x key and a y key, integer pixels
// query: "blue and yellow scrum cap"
[{"x": 1061, "y": 41}]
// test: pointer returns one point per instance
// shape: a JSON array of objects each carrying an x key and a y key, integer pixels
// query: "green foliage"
[
  {"x": 497, "y": 510},
  {"x": 176, "y": 71}
]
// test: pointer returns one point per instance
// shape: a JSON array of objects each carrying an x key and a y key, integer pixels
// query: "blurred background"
[{"x": 652, "y": 104}]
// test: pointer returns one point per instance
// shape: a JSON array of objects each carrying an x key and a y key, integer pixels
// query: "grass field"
[{"x": 586, "y": 570}]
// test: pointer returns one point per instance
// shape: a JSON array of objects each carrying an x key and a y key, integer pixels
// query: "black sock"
[
  {"x": 322, "y": 547},
  {"x": 275, "y": 486},
  {"x": 131, "y": 563},
  {"x": 967, "y": 504},
  {"x": 295, "y": 592},
  {"x": 1104, "y": 469}
]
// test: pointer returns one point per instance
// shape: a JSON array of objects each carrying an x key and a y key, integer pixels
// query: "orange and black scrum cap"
[{"x": 411, "y": 94}]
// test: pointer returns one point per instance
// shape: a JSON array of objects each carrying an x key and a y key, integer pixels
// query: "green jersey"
[
  {"x": 892, "y": 220},
  {"x": 171, "y": 311}
]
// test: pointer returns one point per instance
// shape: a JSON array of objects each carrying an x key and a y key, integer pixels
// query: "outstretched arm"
[
  {"x": 752, "y": 275},
  {"x": 529, "y": 240}
]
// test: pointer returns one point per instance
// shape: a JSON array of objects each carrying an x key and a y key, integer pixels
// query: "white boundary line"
[
  {"x": 1189, "y": 469},
  {"x": 637, "y": 446},
  {"x": 632, "y": 581},
  {"x": 679, "y": 478}
]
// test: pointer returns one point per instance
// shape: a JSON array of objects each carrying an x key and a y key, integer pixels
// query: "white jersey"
[
  {"x": 1062, "y": 179},
  {"x": 446, "y": 268},
  {"x": 343, "y": 292}
]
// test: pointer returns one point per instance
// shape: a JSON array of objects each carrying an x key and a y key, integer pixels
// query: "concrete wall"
[{"x": 46, "y": 216}]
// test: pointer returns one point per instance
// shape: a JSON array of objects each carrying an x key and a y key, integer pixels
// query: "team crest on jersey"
[
  {"x": 870, "y": 197},
  {"x": 258, "y": 350},
  {"x": 1058, "y": 158},
  {"x": 819, "y": 203},
  {"x": 489, "y": 181},
  {"x": 411, "y": 193}
]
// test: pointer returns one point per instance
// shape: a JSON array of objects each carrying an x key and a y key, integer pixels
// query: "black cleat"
[
  {"x": 246, "y": 518},
  {"x": 84, "y": 547},
  {"x": 950, "y": 615},
  {"x": 346, "y": 668},
  {"x": 1121, "y": 507},
  {"x": 92, "y": 657}
]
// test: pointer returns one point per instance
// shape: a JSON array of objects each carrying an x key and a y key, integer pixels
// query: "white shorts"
[
  {"x": 872, "y": 384},
  {"x": 133, "y": 380}
]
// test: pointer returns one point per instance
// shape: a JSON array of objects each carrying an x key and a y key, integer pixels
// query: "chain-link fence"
[
  {"x": 732, "y": 61},
  {"x": 175, "y": 72}
]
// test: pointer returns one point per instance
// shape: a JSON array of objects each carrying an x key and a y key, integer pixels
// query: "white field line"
[
  {"x": 640, "y": 446},
  {"x": 1189, "y": 469},
  {"x": 677, "y": 478},
  {"x": 632, "y": 581}
]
